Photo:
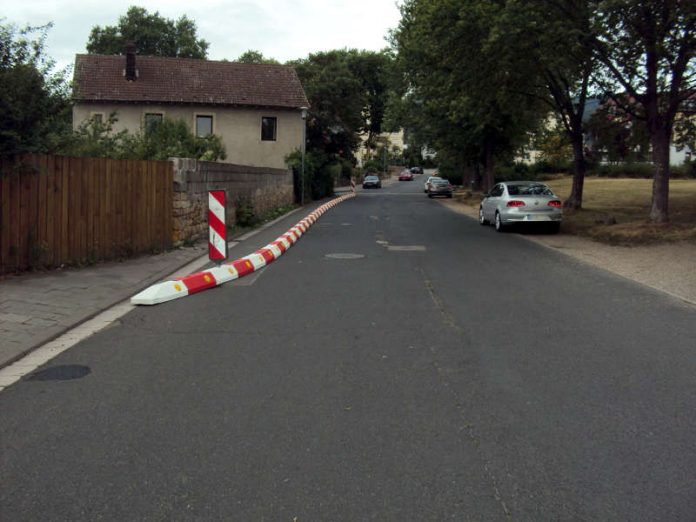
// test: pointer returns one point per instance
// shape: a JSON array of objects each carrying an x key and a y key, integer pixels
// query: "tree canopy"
[
  {"x": 475, "y": 72},
  {"x": 254, "y": 56},
  {"x": 34, "y": 103},
  {"x": 462, "y": 90},
  {"x": 153, "y": 35}
]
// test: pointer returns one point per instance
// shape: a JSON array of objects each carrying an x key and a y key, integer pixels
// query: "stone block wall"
[{"x": 264, "y": 189}]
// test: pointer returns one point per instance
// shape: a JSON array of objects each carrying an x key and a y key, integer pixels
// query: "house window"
[
  {"x": 151, "y": 119},
  {"x": 204, "y": 125},
  {"x": 97, "y": 117},
  {"x": 268, "y": 128}
]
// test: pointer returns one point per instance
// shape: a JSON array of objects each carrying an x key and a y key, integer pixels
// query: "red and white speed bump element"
[{"x": 199, "y": 281}]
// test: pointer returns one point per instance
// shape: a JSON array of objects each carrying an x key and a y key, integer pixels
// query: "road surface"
[{"x": 399, "y": 363}]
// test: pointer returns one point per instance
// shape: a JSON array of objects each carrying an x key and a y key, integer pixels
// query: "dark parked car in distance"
[
  {"x": 416, "y": 170},
  {"x": 372, "y": 182}
]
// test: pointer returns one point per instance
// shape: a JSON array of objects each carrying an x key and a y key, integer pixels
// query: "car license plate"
[{"x": 532, "y": 217}]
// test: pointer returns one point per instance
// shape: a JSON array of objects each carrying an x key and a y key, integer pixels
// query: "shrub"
[
  {"x": 169, "y": 138},
  {"x": 245, "y": 212},
  {"x": 319, "y": 172},
  {"x": 686, "y": 170},
  {"x": 373, "y": 165},
  {"x": 624, "y": 170}
]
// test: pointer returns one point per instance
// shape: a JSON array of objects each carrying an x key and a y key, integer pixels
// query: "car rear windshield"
[
  {"x": 440, "y": 182},
  {"x": 371, "y": 178},
  {"x": 529, "y": 190}
]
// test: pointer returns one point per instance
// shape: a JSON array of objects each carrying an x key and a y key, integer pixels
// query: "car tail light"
[
  {"x": 555, "y": 203},
  {"x": 515, "y": 203}
]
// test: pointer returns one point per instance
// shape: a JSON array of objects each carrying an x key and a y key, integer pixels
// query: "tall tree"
[
  {"x": 550, "y": 37},
  {"x": 347, "y": 91},
  {"x": 460, "y": 81},
  {"x": 646, "y": 50},
  {"x": 372, "y": 69},
  {"x": 34, "y": 103},
  {"x": 153, "y": 35}
]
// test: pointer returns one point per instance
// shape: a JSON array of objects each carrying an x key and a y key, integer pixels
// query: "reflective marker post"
[{"x": 217, "y": 225}]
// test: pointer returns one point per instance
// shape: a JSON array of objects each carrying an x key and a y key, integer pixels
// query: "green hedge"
[
  {"x": 542, "y": 170},
  {"x": 642, "y": 170}
]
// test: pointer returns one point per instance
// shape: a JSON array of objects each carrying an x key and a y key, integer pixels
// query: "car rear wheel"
[
  {"x": 482, "y": 219},
  {"x": 499, "y": 227}
]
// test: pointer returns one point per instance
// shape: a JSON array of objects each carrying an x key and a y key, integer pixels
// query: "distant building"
[
  {"x": 254, "y": 108},
  {"x": 592, "y": 105},
  {"x": 393, "y": 141}
]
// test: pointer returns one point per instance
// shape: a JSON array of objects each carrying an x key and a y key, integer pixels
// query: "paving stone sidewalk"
[{"x": 37, "y": 307}]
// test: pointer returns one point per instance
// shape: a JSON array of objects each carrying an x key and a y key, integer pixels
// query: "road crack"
[{"x": 449, "y": 321}]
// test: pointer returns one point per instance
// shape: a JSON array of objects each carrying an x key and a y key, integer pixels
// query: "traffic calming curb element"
[{"x": 199, "y": 281}]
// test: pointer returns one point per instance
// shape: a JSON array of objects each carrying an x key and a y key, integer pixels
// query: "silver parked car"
[
  {"x": 520, "y": 202},
  {"x": 428, "y": 182},
  {"x": 440, "y": 187}
]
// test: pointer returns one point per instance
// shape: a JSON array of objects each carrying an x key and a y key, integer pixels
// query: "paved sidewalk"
[{"x": 37, "y": 307}]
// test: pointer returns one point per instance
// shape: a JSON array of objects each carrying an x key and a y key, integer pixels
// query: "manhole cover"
[
  {"x": 63, "y": 372},
  {"x": 345, "y": 256}
]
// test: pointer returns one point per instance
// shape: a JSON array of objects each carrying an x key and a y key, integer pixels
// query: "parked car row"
[
  {"x": 372, "y": 181},
  {"x": 514, "y": 202}
]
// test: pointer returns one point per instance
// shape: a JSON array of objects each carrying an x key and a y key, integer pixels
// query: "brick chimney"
[{"x": 131, "y": 72}]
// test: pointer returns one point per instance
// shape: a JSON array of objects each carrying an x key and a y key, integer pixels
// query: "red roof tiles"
[{"x": 185, "y": 80}]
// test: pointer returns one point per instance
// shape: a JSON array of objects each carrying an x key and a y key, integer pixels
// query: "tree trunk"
[
  {"x": 488, "y": 180},
  {"x": 660, "y": 196},
  {"x": 579, "y": 169}
]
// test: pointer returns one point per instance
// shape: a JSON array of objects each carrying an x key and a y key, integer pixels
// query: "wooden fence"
[{"x": 57, "y": 210}]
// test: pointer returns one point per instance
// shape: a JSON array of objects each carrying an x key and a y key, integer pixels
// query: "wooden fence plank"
[
  {"x": 64, "y": 212},
  {"x": 15, "y": 209},
  {"x": 169, "y": 205},
  {"x": 4, "y": 215},
  {"x": 39, "y": 246},
  {"x": 52, "y": 212},
  {"x": 152, "y": 204},
  {"x": 24, "y": 215},
  {"x": 108, "y": 218},
  {"x": 89, "y": 209},
  {"x": 129, "y": 205},
  {"x": 47, "y": 229},
  {"x": 75, "y": 209},
  {"x": 97, "y": 210}
]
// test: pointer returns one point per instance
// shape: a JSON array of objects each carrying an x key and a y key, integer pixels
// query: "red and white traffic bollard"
[{"x": 217, "y": 225}]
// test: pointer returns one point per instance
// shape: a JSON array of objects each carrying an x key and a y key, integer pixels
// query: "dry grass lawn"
[{"x": 616, "y": 211}]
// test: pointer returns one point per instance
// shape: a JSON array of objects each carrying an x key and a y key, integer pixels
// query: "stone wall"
[{"x": 258, "y": 188}]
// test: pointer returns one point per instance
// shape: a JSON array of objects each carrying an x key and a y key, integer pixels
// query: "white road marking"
[
  {"x": 413, "y": 248},
  {"x": 15, "y": 371}
]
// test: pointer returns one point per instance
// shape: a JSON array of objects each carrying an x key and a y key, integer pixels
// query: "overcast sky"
[{"x": 280, "y": 29}]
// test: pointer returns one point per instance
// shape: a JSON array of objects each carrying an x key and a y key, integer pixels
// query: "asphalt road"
[{"x": 399, "y": 363}]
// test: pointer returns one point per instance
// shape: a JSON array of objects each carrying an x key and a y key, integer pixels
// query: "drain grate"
[{"x": 65, "y": 372}]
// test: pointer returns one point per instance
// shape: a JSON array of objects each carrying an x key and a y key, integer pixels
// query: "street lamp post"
[{"x": 304, "y": 145}]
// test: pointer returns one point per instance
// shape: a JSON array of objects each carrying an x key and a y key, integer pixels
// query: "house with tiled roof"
[{"x": 254, "y": 108}]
